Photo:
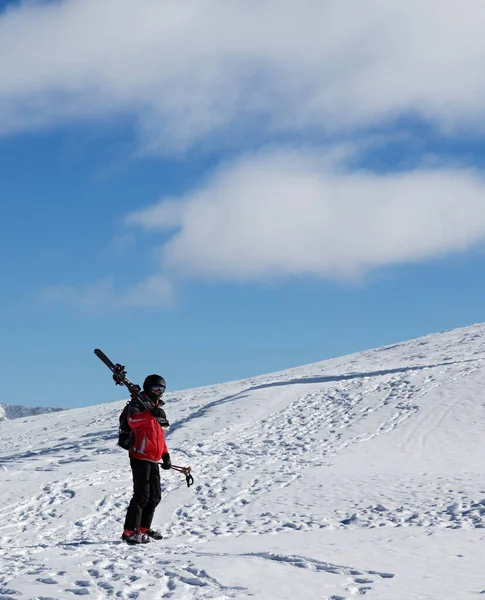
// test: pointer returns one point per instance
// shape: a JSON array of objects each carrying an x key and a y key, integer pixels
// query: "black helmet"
[{"x": 152, "y": 380}]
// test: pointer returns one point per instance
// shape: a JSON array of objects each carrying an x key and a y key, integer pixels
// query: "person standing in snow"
[{"x": 148, "y": 448}]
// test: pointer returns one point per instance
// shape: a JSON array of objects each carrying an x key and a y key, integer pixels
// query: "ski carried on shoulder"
[{"x": 120, "y": 378}]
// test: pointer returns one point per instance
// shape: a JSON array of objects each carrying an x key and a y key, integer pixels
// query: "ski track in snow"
[{"x": 252, "y": 444}]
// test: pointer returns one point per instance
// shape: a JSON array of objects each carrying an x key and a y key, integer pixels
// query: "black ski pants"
[{"x": 147, "y": 494}]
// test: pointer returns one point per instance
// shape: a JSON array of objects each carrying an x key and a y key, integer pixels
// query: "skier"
[{"x": 147, "y": 449}]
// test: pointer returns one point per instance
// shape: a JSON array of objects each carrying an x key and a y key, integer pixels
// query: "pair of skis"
[{"x": 120, "y": 378}]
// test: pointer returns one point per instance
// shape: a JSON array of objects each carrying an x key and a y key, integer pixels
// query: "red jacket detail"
[{"x": 149, "y": 437}]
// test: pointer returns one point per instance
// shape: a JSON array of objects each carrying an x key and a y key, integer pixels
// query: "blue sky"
[{"x": 214, "y": 203}]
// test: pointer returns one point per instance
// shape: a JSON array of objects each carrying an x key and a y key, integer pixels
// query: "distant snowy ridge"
[{"x": 12, "y": 411}]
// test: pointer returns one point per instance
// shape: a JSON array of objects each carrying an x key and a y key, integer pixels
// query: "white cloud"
[
  {"x": 283, "y": 213},
  {"x": 199, "y": 70},
  {"x": 154, "y": 292},
  {"x": 188, "y": 70}
]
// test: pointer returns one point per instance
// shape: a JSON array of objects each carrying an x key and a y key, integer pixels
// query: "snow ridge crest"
[{"x": 12, "y": 411}]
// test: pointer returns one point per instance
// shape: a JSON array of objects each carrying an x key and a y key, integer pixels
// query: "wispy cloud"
[
  {"x": 153, "y": 292},
  {"x": 187, "y": 71},
  {"x": 283, "y": 213}
]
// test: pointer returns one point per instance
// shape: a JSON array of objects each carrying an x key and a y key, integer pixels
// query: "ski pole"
[{"x": 186, "y": 471}]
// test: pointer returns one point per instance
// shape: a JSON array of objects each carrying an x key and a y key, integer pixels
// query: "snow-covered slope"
[
  {"x": 13, "y": 411},
  {"x": 359, "y": 475}
]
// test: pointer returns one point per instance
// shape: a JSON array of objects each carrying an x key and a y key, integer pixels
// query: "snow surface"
[{"x": 359, "y": 475}]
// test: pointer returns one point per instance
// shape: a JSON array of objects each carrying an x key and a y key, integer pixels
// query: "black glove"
[
  {"x": 166, "y": 463},
  {"x": 157, "y": 412},
  {"x": 163, "y": 422},
  {"x": 160, "y": 416}
]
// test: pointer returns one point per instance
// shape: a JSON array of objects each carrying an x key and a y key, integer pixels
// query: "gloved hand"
[
  {"x": 166, "y": 463},
  {"x": 160, "y": 416},
  {"x": 163, "y": 422}
]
